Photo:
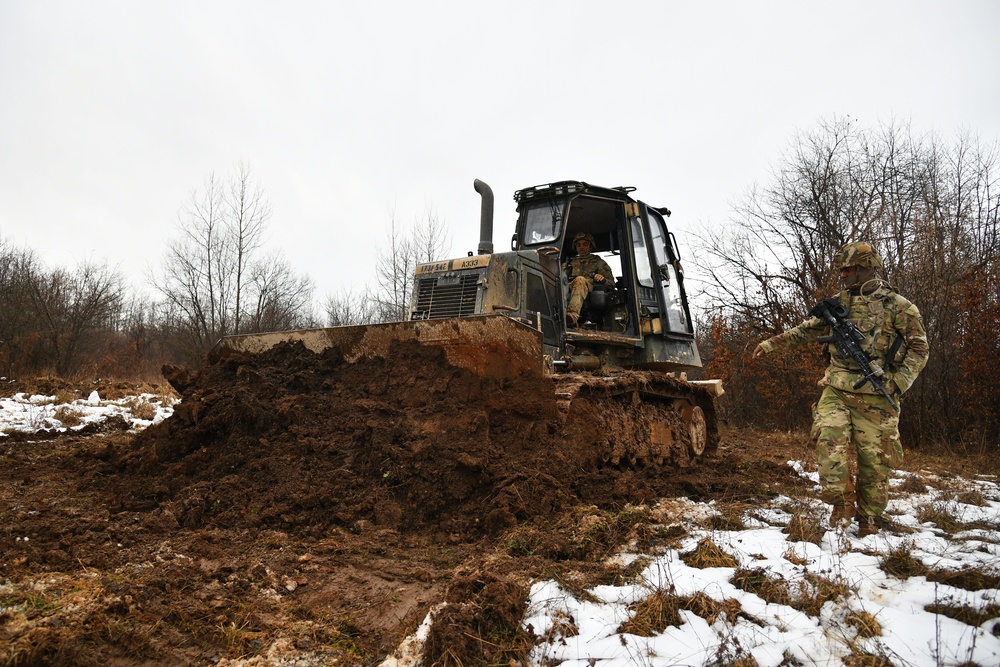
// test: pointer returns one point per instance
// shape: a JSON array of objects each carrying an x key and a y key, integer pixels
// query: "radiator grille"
[{"x": 439, "y": 297}]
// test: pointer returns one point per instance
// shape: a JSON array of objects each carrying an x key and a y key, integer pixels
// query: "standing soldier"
[
  {"x": 862, "y": 417},
  {"x": 583, "y": 271}
]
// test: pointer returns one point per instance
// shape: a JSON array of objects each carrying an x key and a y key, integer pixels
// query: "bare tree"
[
  {"x": 195, "y": 273},
  {"x": 75, "y": 308},
  {"x": 19, "y": 270},
  {"x": 215, "y": 280},
  {"x": 348, "y": 308},
  {"x": 431, "y": 241},
  {"x": 931, "y": 209},
  {"x": 282, "y": 299},
  {"x": 248, "y": 212},
  {"x": 396, "y": 261}
]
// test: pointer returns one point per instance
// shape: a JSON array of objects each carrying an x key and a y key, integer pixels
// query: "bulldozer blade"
[{"x": 494, "y": 346}]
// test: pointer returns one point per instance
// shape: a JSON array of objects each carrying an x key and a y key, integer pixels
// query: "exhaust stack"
[{"x": 485, "y": 218}]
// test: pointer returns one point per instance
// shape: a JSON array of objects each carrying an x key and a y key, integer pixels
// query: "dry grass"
[
  {"x": 600, "y": 533},
  {"x": 866, "y": 624},
  {"x": 867, "y": 660},
  {"x": 912, "y": 484},
  {"x": 974, "y": 616},
  {"x": 141, "y": 408},
  {"x": 708, "y": 554},
  {"x": 757, "y": 581},
  {"x": 899, "y": 562},
  {"x": 66, "y": 396},
  {"x": 804, "y": 528},
  {"x": 969, "y": 579},
  {"x": 669, "y": 536},
  {"x": 69, "y": 417},
  {"x": 972, "y": 497},
  {"x": 794, "y": 557},
  {"x": 576, "y": 584},
  {"x": 815, "y": 591},
  {"x": 738, "y": 661},
  {"x": 651, "y": 616},
  {"x": 730, "y": 520},
  {"x": 710, "y": 609},
  {"x": 57, "y": 397},
  {"x": 809, "y": 597},
  {"x": 616, "y": 574},
  {"x": 789, "y": 660},
  {"x": 563, "y": 625},
  {"x": 940, "y": 516},
  {"x": 956, "y": 461}
]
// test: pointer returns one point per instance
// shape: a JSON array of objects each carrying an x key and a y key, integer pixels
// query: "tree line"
[
  {"x": 931, "y": 206},
  {"x": 932, "y": 209},
  {"x": 217, "y": 278}
]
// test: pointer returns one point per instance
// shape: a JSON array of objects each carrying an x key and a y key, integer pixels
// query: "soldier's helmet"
[
  {"x": 586, "y": 237},
  {"x": 860, "y": 254}
]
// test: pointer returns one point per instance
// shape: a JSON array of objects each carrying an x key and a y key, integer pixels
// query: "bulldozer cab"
[
  {"x": 638, "y": 318},
  {"x": 646, "y": 297}
]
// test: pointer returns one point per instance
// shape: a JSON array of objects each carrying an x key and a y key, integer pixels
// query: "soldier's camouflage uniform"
[
  {"x": 863, "y": 416},
  {"x": 580, "y": 270}
]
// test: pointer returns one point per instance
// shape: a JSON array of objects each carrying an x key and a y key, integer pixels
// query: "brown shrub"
[
  {"x": 974, "y": 616},
  {"x": 651, "y": 616},
  {"x": 815, "y": 591},
  {"x": 899, "y": 562},
  {"x": 804, "y": 528},
  {"x": 969, "y": 579},
  {"x": 69, "y": 417},
  {"x": 866, "y": 624},
  {"x": 912, "y": 484},
  {"x": 758, "y": 582},
  {"x": 708, "y": 554}
]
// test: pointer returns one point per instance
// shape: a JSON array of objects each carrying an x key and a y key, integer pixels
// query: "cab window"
[
  {"x": 642, "y": 269},
  {"x": 677, "y": 319},
  {"x": 543, "y": 222}
]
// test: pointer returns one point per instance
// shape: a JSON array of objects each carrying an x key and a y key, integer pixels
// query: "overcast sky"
[{"x": 112, "y": 113}]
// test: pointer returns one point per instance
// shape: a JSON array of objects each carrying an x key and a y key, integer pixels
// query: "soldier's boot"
[
  {"x": 841, "y": 516},
  {"x": 866, "y": 526},
  {"x": 870, "y": 525},
  {"x": 572, "y": 319}
]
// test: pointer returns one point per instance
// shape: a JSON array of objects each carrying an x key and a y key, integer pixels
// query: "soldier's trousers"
[
  {"x": 579, "y": 288},
  {"x": 842, "y": 419}
]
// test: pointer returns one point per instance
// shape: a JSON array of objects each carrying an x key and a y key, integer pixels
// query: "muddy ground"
[{"x": 302, "y": 506}]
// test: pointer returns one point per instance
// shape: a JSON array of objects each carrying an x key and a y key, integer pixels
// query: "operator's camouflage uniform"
[
  {"x": 580, "y": 270},
  {"x": 845, "y": 414}
]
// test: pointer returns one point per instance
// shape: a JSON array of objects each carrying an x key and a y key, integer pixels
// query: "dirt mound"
[{"x": 300, "y": 441}]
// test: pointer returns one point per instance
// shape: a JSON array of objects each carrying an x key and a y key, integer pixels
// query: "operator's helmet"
[
  {"x": 860, "y": 254},
  {"x": 586, "y": 237}
]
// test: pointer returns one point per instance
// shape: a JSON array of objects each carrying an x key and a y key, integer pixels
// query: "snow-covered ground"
[
  {"x": 33, "y": 413},
  {"x": 877, "y": 614}
]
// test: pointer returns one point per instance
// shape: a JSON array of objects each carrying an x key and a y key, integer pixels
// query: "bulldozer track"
[{"x": 639, "y": 419}]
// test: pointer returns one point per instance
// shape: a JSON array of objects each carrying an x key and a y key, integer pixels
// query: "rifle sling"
[{"x": 890, "y": 356}]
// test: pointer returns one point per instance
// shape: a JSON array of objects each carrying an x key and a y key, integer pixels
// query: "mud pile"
[{"x": 299, "y": 441}]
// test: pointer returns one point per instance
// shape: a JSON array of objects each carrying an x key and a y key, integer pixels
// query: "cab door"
[
  {"x": 664, "y": 277},
  {"x": 646, "y": 296}
]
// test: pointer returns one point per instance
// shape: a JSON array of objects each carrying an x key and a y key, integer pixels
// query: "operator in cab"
[{"x": 583, "y": 271}]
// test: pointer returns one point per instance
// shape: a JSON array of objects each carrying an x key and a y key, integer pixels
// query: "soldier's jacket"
[
  {"x": 587, "y": 266},
  {"x": 881, "y": 316}
]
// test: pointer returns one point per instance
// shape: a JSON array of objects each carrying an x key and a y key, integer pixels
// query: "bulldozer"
[{"x": 622, "y": 367}]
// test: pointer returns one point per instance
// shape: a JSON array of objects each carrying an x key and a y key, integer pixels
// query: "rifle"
[{"x": 845, "y": 335}]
